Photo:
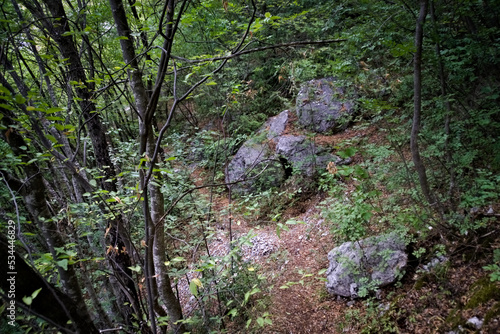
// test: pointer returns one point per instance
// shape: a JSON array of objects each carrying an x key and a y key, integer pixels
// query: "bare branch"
[{"x": 270, "y": 47}]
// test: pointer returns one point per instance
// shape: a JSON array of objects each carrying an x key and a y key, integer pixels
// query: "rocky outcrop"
[
  {"x": 254, "y": 167},
  {"x": 323, "y": 107},
  {"x": 365, "y": 265},
  {"x": 272, "y": 156},
  {"x": 302, "y": 154}
]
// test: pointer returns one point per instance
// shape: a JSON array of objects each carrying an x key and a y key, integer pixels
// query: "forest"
[{"x": 158, "y": 173}]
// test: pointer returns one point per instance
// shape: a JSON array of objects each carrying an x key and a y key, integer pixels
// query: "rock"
[
  {"x": 255, "y": 155},
  {"x": 475, "y": 322},
  {"x": 276, "y": 125},
  {"x": 261, "y": 245},
  {"x": 369, "y": 263},
  {"x": 440, "y": 259},
  {"x": 252, "y": 159},
  {"x": 322, "y": 107},
  {"x": 302, "y": 154},
  {"x": 274, "y": 156}
]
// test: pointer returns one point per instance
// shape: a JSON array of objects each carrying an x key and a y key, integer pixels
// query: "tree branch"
[{"x": 270, "y": 47}]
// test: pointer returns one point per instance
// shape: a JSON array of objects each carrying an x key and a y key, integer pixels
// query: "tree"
[
  {"x": 417, "y": 83},
  {"x": 58, "y": 113}
]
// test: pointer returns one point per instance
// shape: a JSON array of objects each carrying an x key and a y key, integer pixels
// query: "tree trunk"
[
  {"x": 34, "y": 192},
  {"x": 153, "y": 210},
  {"x": 120, "y": 259},
  {"x": 417, "y": 86}
]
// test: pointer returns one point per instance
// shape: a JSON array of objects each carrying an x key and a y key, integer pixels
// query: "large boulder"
[
  {"x": 255, "y": 163},
  {"x": 365, "y": 265},
  {"x": 322, "y": 106},
  {"x": 275, "y": 126},
  {"x": 256, "y": 167},
  {"x": 302, "y": 154},
  {"x": 271, "y": 156}
]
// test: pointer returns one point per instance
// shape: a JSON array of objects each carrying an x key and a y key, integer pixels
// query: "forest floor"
[{"x": 442, "y": 300}]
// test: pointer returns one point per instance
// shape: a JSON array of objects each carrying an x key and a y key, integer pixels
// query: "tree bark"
[{"x": 417, "y": 88}]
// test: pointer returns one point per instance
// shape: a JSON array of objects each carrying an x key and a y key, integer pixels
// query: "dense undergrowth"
[{"x": 222, "y": 291}]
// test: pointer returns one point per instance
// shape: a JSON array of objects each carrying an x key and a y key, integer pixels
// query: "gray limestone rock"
[
  {"x": 322, "y": 106},
  {"x": 368, "y": 263},
  {"x": 302, "y": 154},
  {"x": 271, "y": 156},
  {"x": 275, "y": 126},
  {"x": 254, "y": 164}
]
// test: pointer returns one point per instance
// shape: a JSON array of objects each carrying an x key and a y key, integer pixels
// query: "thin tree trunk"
[
  {"x": 153, "y": 204},
  {"x": 417, "y": 86}
]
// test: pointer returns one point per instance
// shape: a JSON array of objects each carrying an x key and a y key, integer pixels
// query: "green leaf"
[
  {"x": 6, "y": 106},
  {"x": 211, "y": 83},
  {"x": 35, "y": 293},
  {"x": 19, "y": 99},
  {"x": 4, "y": 90},
  {"x": 27, "y": 300},
  {"x": 247, "y": 296},
  {"x": 322, "y": 271},
  {"x": 197, "y": 282},
  {"x": 193, "y": 288},
  {"x": 51, "y": 138},
  {"x": 347, "y": 153},
  {"x": 63, "y": 264},
  {"x": 187, "y": 76},
  {"x": 54, "y": 109},
  {"x": 233, "y": 313},
  {"x": 54, "y": 118},
  {"x": 260, "y": 321},
  {"x": 137, "y": 268},
  {"x": 93, "y": 183}
]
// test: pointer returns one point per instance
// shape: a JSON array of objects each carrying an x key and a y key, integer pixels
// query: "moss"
[
  {"x": 492, "y": 313},
  {"x": 454, "y": 319},
  {"x": 482, "y": 291},
  {"x": 422, "y": 281}
]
